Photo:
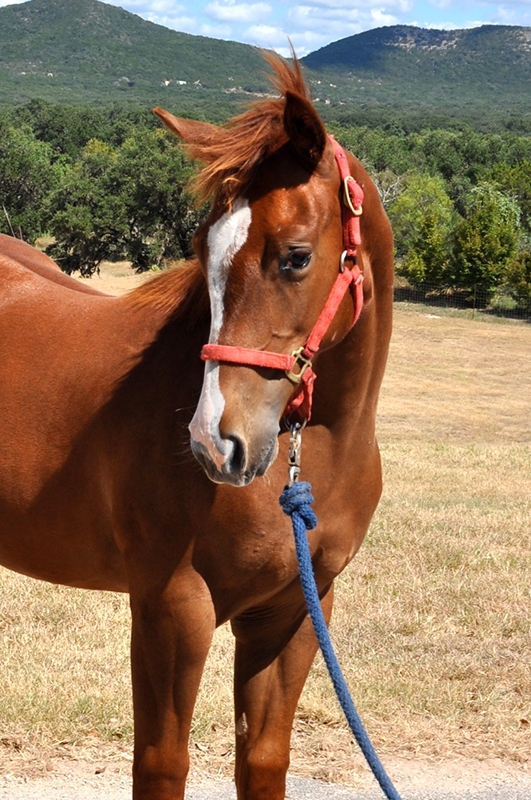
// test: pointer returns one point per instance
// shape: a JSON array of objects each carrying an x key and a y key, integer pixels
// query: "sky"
[{"x": 311, "y": 24}]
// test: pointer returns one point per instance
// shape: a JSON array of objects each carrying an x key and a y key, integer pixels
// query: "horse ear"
[
  {"x": 304, "y": 128},
  {"x": 188, "y": 130}
]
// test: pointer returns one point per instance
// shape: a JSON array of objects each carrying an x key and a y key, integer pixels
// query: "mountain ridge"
[
  {"x": 444, "y": 68},
  {"x": 86, "y": 51}
]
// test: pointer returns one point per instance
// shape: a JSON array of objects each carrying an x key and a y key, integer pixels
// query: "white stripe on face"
[{"x": 225, "y": 238}]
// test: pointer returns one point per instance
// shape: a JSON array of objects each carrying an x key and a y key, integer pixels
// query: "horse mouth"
[{"x": 236, "y": 470}]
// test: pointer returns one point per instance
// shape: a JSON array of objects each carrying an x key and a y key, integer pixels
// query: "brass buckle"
[
  {"x": 348, "y": 200},
  {"x": 301, "y": 362}
]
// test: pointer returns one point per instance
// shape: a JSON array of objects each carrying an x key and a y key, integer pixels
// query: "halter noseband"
[{"x": 298, "y": 366}]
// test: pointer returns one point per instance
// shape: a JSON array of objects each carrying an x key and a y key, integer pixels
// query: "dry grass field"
[{"x": 432, "y": 619}]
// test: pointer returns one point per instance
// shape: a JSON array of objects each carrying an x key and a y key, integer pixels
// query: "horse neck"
[
  {"x": 349, "y": 375},
  {"x": 167, "y": 319}
]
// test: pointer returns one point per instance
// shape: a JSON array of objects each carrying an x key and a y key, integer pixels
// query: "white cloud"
[
  {"x": 507, "y": 15},
  {"x": 268, "y": 36},
  {"x": 306, "y": 42},
  {"x": 184, "y": 24},
  {"x": 153, "y": 6},
  {"x": 217, "y": 31},
  {"x": 342, "y": 8},
  {"x": 440, "y": 4},
  {"x": 380, "y": 18},
  {"x": 337, "y": 21},
  {"x": 237, "y": 12},
  {"x": 311, "y": 24},
  {"x": 316, "y": 23},
  {"x": 159, "y": 11}
]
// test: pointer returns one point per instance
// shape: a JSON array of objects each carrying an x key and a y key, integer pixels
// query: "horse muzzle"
[{"x": 230, "y": 459}]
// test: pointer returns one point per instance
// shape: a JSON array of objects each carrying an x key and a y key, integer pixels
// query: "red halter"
[{"x": 299, "y": 365}]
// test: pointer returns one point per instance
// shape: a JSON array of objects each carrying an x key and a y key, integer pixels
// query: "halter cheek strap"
[{"x": 298, "y": 365}]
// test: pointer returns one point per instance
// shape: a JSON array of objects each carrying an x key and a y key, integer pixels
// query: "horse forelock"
[
  {"x": 235, "y": 150},
  {"x": 231, "y": 154}
]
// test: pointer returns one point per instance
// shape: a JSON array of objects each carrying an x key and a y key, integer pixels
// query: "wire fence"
[{"x": 476, "y": 301}]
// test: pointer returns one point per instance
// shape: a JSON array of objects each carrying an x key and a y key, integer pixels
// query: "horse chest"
[{"x": 247, "y": 555}]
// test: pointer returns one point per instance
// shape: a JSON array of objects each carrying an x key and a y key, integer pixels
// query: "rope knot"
[{"x": 297, "y": 499}]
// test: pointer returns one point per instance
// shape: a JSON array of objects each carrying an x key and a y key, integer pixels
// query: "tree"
[
  {"x": 124, "y": 202},
  {"x": 27, "y": 175},
  {"x": 67, "y": 130},
  {"x": 153, "y": 174},
  {"x": 515, "y": 181},
  {"x": 518, "y": 277},
  {"x": 486, "y": 240},
  {"x": 88, "y": 221},
  {"x": 422, "y": 219},
  {"x": 389, "y": 186}
]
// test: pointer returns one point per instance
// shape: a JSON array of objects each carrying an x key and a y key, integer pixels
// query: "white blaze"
[{"x": 225, "y": 238}]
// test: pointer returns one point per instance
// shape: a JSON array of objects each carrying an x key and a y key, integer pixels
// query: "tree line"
[
  {"x": 109, "y": 183},
  {"x": 460, "y": 206},
  {"x": 102, "y": 185}
]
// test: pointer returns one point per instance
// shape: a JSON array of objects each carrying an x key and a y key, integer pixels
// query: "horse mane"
[
  {"x": 233, "y": 151},
  {"x": 180, "y": 292}
]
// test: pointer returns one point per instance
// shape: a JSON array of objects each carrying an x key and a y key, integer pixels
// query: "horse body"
[
  {"x": 98, "y": 487},
  {"x": 18, "y": 251},
  {"x": 54, "y": 524}
]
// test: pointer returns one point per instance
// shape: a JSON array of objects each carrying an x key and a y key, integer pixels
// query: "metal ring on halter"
[{"x": 344, "y": 255}]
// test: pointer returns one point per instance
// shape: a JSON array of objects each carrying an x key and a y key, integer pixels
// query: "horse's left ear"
[
  {"x": 188, "y": 130},
  {"x": 304, "y": 128}
]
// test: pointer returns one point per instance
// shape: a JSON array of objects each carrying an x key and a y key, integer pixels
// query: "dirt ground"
[
  {"x": 116, "y": 278},
  {"x": 109, "y": 779}
]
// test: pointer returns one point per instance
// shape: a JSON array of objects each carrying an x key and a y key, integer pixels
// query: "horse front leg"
[
  {"x": 273, "y": 657},
  {"x": 172, "y": 628}
]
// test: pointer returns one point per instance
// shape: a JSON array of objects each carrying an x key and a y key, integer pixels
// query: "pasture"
[{"x": 431, "y": 620}]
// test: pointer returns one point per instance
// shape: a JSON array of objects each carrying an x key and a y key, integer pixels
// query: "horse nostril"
[{"x": 236, "y": 457}]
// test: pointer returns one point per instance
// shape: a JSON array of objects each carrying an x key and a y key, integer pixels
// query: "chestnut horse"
[{"x": 99, "y": 396}]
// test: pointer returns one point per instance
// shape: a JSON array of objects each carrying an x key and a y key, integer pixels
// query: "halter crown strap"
[
  {"x": 298, "y": 366},
  {"x": 352, "y": 208}
]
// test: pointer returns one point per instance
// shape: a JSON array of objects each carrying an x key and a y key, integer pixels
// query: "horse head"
[{"x": 271, "y": 252}]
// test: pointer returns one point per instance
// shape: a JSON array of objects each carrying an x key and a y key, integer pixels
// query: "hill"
[
  {"x": 76, "y": 51},
  {"x": 85, "y": 51},
  {"x": 412, "y": 66}
]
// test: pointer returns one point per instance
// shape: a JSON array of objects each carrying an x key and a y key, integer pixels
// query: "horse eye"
[{"x": 295, "y": 260}]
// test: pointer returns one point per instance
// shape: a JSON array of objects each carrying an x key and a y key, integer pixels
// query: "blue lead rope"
[{"x": 296, "y": 502}]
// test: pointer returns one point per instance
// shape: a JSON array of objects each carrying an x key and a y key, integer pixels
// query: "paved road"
[
  {"x": 303, "y": 789},
  {"x": 298, "y": 789}
]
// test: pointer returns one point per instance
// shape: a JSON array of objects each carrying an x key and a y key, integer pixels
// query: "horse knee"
[
  {"x": 159, "y": 775},
  {"x": 261, "y": 774}
]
